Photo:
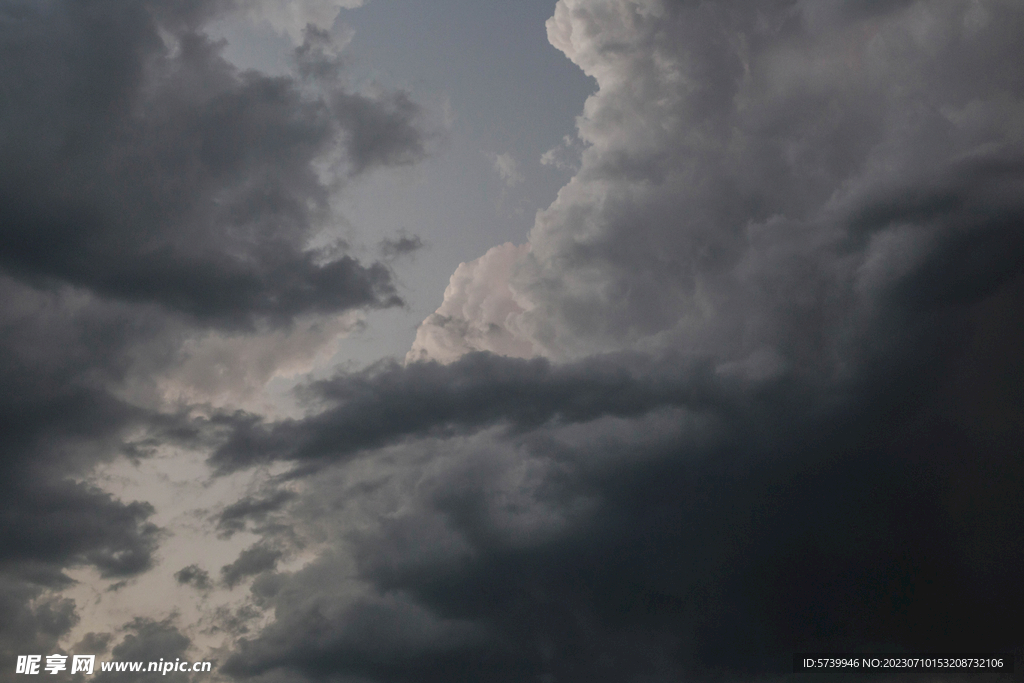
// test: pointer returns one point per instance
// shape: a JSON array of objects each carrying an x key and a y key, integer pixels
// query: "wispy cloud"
[{"x": 506, "y": 167}]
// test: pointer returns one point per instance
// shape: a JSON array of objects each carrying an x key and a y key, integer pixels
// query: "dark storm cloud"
[
  {"x": 255, "y": 560},
  {"x": 803, "y": 219},
  {"x": 93, "y": 643},
  {"x": 252, "y": 510},
  {"x": 30, "y": 622},
  {"x": 874, "y": 509},
  {"x": 58, "y": 417},
  {"x": 886, "y": 522},
  {"x": 147, "y": 188},
  {"x": 969, "y": 220},
  {"x": 148, "y": 641},
  {"x": 64, "y": 523},
  {"x": 389, "y": 402},
  {"x": 62, "y": 352},
  {"x": 377, "y": 636},
  {"x": 194, "y": 576},
  {"x": 810, "y": 216},
  {"x": 967, "y": 242},
  {"x": 139, "y": 164}
]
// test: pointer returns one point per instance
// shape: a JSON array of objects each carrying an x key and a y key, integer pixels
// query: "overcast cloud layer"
[{"x": 754, "y": 385}]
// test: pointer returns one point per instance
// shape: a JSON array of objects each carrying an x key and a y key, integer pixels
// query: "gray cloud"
[
  {"x": 146, "y": 168},
  {"x": 236, "y": 622},
  {"x": 255, "y": 560},
  {"x": 369, "y": 638},
  {"x": 781, "y": 405},
  {"x": 677, "y": 544},
  {"x": 30, "y": 623},
  {"x": 59, "y": 416},
  {"x": 150, "y": 193},
  {"x": 401, "y": 246},
  {"x": 62, "y": 353},
  {"x": 642, "y": 519},
  {"x": 94, "y": 643},
  {"x": 716, "y": 133},
  {"x": 388, "y": 402},
  {"x": 149, "y": 641},
  {"x": 193, "y": 575},
  {"x": 252, "y": 509},
  {"x": 64, "y": 523}
]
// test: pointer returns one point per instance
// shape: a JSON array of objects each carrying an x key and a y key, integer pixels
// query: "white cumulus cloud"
[{"x": 477, "y": 313}]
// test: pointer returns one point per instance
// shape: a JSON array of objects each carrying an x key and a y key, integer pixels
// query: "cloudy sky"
[{"x": 401, "y": 341}]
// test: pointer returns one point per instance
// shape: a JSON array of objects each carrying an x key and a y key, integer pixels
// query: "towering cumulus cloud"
[
  {"x": 752, "y": 388},
  {"x": 760, "y": 177}
]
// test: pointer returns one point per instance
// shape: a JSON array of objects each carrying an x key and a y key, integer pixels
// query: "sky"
[{"x": 395, "y": 341}]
